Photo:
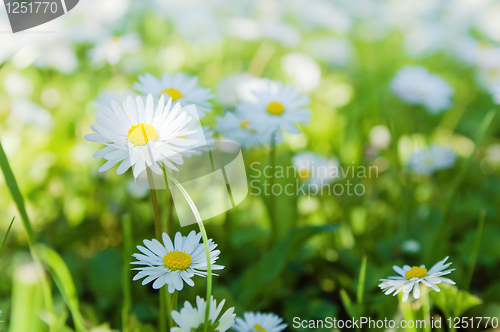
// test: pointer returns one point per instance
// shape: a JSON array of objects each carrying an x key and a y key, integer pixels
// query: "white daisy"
[
  {"x": 304, "y": 72},
  {"x": 237, "y": 87},
  {"x": 193, "y": 319},
  {"x": 173, "y": 264},
  {"x": 236, "y": 128},
  {"x": 427, "y": 161},
  {"x": 138, "y": 134},
  {"x": 181, "y": 87},
  {"x": 416, "y": 86},
  {"x": 275, "y": 106},
  {"x": 315, "y": 169},
  {"x": 410, "y": 279},
  {"x": 111, "y": 50},
  {"x": 263, "y": 322}
]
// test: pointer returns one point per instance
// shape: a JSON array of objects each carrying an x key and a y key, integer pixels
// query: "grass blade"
[
  {"x": 11, "y": 182},
  {"x": 62, "y": 278},
  {"x": 361, "y": 282},
  {"x": 6, "y": 234},
  {"x": 127, "y": 253},
  {"x": 475, "y": 250}
]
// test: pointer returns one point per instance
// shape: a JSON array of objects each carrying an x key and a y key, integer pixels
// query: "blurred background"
[{"x": 345, "y": 56}]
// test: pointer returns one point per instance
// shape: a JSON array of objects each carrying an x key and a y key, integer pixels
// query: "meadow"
[{"x": 406, "y": 91}]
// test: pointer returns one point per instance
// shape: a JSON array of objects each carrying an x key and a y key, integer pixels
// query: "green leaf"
[
  {"x": 274, "y": 261},
  {"x": 453, "y": 302},
  {"x": 11, "y": 182},
  {"x": 6, "y": 234},
  {"x": 62, "y": 278}
]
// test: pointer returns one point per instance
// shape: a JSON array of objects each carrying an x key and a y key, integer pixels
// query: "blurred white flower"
[
  {"x": 416, "y": 86},
  {"x": 138, "y": 135},
  {"x": 50, "y": 97},
  {"x": 238, "y": 129},
  {"x": 259, "y": 322},
  {"x": 303, "y": 70},
  {"x": 237, "y": 87},
  {"x": 410, "y": 246},
  {"x": 24, "y": 111},
  {"x": 495, "y": 91},
  {"x": 380, "y": 137},
  {"x": 191, "y": 318},
  {"x": 323, "y": 14},
  {"x": 199, "y": 25},
  {"x": 424, "y": 39},
  {"x": 111, "y": 50},
  {"x": 315, "y": 169},
  {"x": 275, "y": 106},
  {"x": 280, "y": 32},
  {"x": 410, "y": 278},
  {"x": 332, "y": 50},
  {"x": 427, "y": 161},
  {"x": 17, "y": 85},
  {"x": 180, "y": 87},
  {"x": 59, "y": 56},
  {"x": 174, "y": 264}
]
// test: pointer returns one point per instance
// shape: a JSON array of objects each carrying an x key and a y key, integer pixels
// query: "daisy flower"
[
  {"x": 254, "y": 322},
  {"x": 276, "y": 106},
  {"x": 237, "y": 87},
  {"x": 427, "y": 161},
  {"x": 193, "y": 319},
  {"x": 111, "y": 50},
  {"x": 416, "y": 86},
  {"x": 174, "y": 264},
  {"x": 180, "y": 87},
  {"x": 238, "y": 129},
  {"x": 315, "y": 169},
  {"x": 410, "y": 279},
  {"x": 138, "y": 134}
]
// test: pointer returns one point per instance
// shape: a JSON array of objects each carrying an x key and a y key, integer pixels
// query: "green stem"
[
  {"x": 174, "y": 303},
  {"x": 6, "y": 234},
  {"x": 156, "y": 212},
  {"x": 127, "y": 250},
  {"x": 207, "y": 249},
  {"x": 272, "y": 180},
  {"x": 426, "y": 308},
  {"x": 475, "y": 250}
]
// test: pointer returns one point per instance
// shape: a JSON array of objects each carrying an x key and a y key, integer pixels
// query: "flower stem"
[
  {"x": 272, "y": 200},
  {"x": 156, "y": 211},
  {"x": 207, "y": 249}
]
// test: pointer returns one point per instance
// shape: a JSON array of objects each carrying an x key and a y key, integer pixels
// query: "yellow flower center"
[
  {"x": 141, "y": 134},
  {"x": 416, "y": 272},
  {"x": 175, "y": 94},
  {"x": 244, "y": 124},
  {"x": 177, "y": 260},
  {"x": 275, "y": 108},
  {"x": 303, "y": 173},
  {"x": 259, "y": 328}
]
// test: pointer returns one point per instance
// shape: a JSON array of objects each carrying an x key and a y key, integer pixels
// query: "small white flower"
[
  {"x": 315, "y": 169},
  {"x": 332, "y": 50},
  {"x": 191, "y": 319},
  {"x": 303, "y": 70},
  {"x": 416, "y": 86},
  {"x": 380, "y": 137},
  {"x": 180, "y": 87},
  {"x": 138, "y": 131},
  {"x": 111, "y": 50},
  {"x": 428, "y": 161},
  {"x": 495, "y": 91},
  {"x": 276, "y": 106},
  {"x": 410, "y": 278},
  {"x": 237, "y": 87},
  {"x": 174, "y": 264},
  {"x": 238, "y": 129},
  {"x": 259, "y": 322}
]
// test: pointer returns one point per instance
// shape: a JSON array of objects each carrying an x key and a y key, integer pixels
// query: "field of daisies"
[{"x": 366, "y": 133}]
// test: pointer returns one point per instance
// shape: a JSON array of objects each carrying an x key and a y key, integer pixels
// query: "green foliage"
[{"x": 454, "y": 302}]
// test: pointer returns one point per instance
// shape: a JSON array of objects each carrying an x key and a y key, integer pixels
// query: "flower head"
[
  {"x": 191, "y": 319},
  {"x": 275, "y": 106},
  {"x": 173, "y": 264},
  {"x": 259, "y": 322},
  {"x": 138, "y": 134},
  {"x": 315, "y": 169},
  {"x": 428, "y": 161},
  {"x": 238, "y": 128},
  {"x": 410, "y": 278},
  {"x": 180, "y": 87},
  {"x": 416, "y": 86}
]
